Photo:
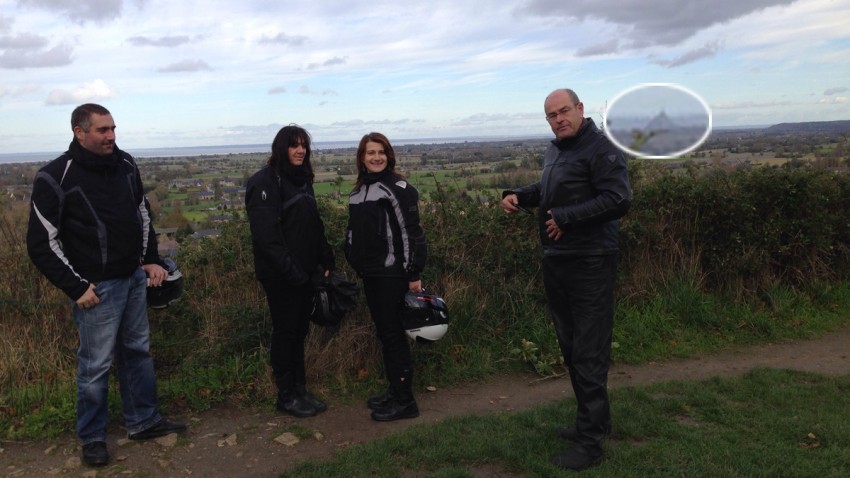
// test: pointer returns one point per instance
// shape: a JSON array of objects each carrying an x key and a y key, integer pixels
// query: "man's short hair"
[{"x": 82, "y": 115}]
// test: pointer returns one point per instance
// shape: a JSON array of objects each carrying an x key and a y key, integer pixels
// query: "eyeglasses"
[{"x": 554, "y": 115}]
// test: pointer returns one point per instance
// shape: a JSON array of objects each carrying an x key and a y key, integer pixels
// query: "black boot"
[
  {"x": 396, "y": 410},
  {"x": 312, "y": 400},
  {"x": 401, "y": 404},
  {"x": 380, "y": 401},
  {"x": 289, "y": 401}
]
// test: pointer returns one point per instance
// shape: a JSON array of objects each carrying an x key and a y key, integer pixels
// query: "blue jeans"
[{"x": 117, "y": 328}]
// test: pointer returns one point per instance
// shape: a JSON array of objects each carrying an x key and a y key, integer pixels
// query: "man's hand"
[
  {"x": 509, "y": 204},
  {"x": 553, "y": 230},
  {"x": 89, "y": 299},
  {"x": 156, "y": 274},
  {"x": 415, "y": 286}
]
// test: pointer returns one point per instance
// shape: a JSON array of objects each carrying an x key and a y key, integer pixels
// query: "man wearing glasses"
[{"x": 583, "y": 191}]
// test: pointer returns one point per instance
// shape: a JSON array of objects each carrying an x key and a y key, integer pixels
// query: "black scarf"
[
  {"x": 297, "y": 175},
  {"x": 372, "y": 178},
  {"x": 94, "y": 161}
]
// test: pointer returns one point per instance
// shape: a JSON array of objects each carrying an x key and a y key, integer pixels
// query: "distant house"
[
  {"x": 186, "y": 183},
  {"x": 204, "y": 233},
  {"x": 220, "y": 218},
  {"x": 233, "y": 192},
  {"x": 204, "y": 195}
]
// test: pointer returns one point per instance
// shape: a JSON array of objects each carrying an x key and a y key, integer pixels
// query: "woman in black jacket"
[
  {"x": 290, "y": 251},
  {"x": 386, "y": 245}
]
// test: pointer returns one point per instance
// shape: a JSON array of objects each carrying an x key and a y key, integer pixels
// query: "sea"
[{"x": 221, "y": 150}]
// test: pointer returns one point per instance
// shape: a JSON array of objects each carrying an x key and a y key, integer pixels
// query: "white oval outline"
[{"x": 675, "y": 154}]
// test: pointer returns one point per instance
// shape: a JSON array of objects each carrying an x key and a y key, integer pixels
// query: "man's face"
[
  {"x": 100, "y": 137},
  {"x": 563, "y": 115}
]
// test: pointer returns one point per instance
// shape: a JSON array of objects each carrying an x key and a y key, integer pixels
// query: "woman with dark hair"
[
  {"x": 386, "y": 246},
  {"x": 291, "y": 254}
]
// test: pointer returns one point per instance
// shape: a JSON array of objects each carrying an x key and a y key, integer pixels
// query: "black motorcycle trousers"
[{"x": 580, "y": 294}]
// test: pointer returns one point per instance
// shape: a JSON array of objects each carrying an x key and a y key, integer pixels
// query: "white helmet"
[{"x": 425, "y": 316}]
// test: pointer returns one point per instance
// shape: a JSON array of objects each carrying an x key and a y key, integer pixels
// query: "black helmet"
[
  {"x": 171, "y": 288},
  {"x": 425, "y": 316}
]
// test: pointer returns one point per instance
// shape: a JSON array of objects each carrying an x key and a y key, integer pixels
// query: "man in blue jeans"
[
  {"x": 90, "y": 234},
  {"x": 583, "y": 190}
]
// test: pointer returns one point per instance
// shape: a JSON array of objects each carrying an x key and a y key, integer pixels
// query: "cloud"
[
  {"x": 611, "y": 46},
  {"x": 94, "y": 91},
  {"x": 6, "y": 23},
  {"x": 186, "y": 66},
  {"x": 19, "y": 92},
  {"x": 20, "y": 58},
  {"x": 838, "y": 100},
  {"x": 645, "y": 24},
  {"x": 23, "y": 40},
  {"x": 501, "y": 118},
  {"x": 167, "y": 41},
  {"x": 98, "y": 11},
  {"x": 832, "y": 91},
  {"x": 707, "y": 51},
  {"x": 28, "y": 50},
  {"x": 749, "y": 105},
  {"x": 277, "y": 90},
  {"x": 306, "y": 90},
  {"x": 284, "y": 39},
  {"x": 333, "y": 61}
]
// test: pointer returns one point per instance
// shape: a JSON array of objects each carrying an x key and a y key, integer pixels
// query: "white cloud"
[
  {"x": 166, "y": 41},
  {"x": 837, "y": 89},
  {"x": 837, "y": 100},
  {"x": 661, "y": 22},
  {"x": 446, "y": 67},
  {"x": 185, "y": 66},
  {"x": 80, "y": 11},
  {"x": 284, "y": 39},
  {"x": 97, "y": 90},
  {"x": 19, "y": 58}
]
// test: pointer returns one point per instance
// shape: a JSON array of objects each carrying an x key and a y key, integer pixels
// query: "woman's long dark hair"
[
  {"x": 361, "y": 155},
  {"x": 289, "y": 136}
]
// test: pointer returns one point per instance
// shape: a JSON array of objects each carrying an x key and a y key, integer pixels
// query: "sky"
[{"x": 221, "y": 72}]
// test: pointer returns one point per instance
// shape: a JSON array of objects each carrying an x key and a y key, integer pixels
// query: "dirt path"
[{"x": 229, "y": 442}]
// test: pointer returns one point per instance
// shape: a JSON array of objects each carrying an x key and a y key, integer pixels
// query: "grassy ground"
[{"x": 768, "y": 423}]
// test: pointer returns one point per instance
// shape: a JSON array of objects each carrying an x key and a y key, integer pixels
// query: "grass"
[{"x": 767, "y": 423}]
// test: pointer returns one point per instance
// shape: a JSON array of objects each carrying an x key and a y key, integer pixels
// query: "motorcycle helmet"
[
  {"x": 425, "y": 316},
  {"x": 171, "y": 289}
]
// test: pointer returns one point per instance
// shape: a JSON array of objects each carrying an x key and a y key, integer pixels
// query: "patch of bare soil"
[{"x": 231, "y": 442}]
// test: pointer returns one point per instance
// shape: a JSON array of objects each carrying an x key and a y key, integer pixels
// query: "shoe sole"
[{"x": 399, "y": 417}]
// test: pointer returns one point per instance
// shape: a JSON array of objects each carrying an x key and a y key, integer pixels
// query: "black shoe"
[
  {"x": 380, "y": 401},
  {"x": 396, "y": 411},
  {"x": 162, "y": 428},
  {"x": 95, "y": 454},
  {"x": 577, "y": 458},
  {"x": 311, "y": 399},
  {"x": 296, "y": 406},
  {"x": 570, "y": 433}
]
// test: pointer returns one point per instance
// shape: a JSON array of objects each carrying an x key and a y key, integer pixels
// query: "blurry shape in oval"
[{"x": 657, "y": 120}]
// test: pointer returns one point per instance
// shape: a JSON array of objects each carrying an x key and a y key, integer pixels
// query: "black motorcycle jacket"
[
  {"x": 585, "y": 188},
  {"x": 89, "y": 220},
  {"x": 384, "y": 237},
  {"x": 287, "y": 233}
]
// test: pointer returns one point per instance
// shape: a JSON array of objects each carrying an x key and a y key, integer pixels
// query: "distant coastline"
[{"x": 220, "y": 150}]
